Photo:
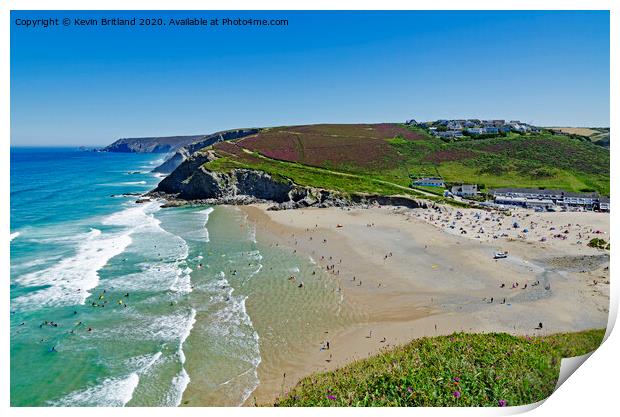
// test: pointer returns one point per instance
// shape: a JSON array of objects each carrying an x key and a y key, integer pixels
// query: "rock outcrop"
[
  {"x": 184, "y": 152},
  {"x": 192, "y": 182},
  {"x": 151, "y": 145}
]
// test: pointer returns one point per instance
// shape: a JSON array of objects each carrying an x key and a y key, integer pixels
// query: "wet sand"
[{"x": 412, "y": 275}]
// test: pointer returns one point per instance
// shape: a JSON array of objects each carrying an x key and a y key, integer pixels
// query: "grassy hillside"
[
  {"x": 382, "y": 158},
  {"x": 597, "y": 135},
  {"x": 458, "y": 370}
]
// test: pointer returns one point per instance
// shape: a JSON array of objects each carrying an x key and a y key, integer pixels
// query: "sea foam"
[
  {"x": 70, "y": 280},
  {"x": 111, "y": 392}
]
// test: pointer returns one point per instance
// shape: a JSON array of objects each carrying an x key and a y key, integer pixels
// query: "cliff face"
[
  {"x": 184, "y": 152},
  {"x": 151, "y": 144},
  {"x": 191, "y": 181}
]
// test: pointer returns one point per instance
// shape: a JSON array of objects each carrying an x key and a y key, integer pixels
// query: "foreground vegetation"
[
  {"x": 493, "y": 369},
  {"x": 382, "y": 159},
  {"x": 599, "y": 243}
]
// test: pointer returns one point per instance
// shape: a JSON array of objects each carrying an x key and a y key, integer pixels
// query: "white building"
[
  {"x": 429, "y": 182},
  {"x": 580, "y": 199},
  {"x": 465, "y": 190},
  {"x": 528, "y": 197},
  {"x": 603, "y": 204}
]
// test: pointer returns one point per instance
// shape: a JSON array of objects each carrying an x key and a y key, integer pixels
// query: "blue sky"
[{"x": 90, "y": 86}]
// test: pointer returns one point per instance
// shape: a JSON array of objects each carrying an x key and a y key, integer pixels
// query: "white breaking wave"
[
  {"x": 179, "y": 384},
  {"x": 118, "y": 184},
  {"x": 175, "y": 274},
  {"x": 34, "y": 262},
  {"x": 182, "y": 283},
  {"x": 200, "y": 234},
  {"x": 65, "y": 239},
  {"x": 111, "y": 392},
  {"x": 188, "y": 328},
  {"x": 206, "y": 213},
  {"x": 142, "y": 363},
  {"x": 71, "y": 279},
  {"x": 14, "y": 235},
  {"x": 182, "y": 379}
]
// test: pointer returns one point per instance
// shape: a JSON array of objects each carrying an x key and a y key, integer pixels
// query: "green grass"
[
  {"x": 457, "y": 171},
  {"x": 599, "y": 243},
  {"x": 535, "y": 161},
  {"x": 483, "y": 368},
  {"x": 311, "y": 176},
  {"x": 344, "y": 182}
]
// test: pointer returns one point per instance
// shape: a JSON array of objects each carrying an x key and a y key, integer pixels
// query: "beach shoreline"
[{"x": 410, "y": 275}]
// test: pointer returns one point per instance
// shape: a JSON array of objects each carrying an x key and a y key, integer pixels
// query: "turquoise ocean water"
[{"x": 115, "y": 303}]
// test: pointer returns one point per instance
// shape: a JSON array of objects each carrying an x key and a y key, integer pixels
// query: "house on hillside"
[
  {"x": 465, "y": 190},
  {"x": 429, "y": 182},
  {"x": 449, "y": 134},
  {"x": 475, "y": 130},
  {"x": 454, "y": 125}
]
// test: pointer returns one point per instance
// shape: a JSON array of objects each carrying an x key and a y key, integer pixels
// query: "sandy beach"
[{"x": 422, "y": 272}]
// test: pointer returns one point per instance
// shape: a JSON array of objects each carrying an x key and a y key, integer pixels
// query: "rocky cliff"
[
  {"x": 192, "y": 182},
  {"x": 184, "y": 152},
  {"x": 151, "y": 144}
]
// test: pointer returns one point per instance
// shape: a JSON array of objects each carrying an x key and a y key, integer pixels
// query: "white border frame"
[{"x": 590, "y": 391}]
